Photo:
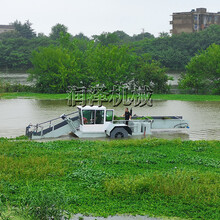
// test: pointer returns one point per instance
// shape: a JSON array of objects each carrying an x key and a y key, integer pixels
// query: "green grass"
[
  {"x": 181, "y": 97},
  {"x": 153, "y": 177},
  {"x": 186, "y": 97}
]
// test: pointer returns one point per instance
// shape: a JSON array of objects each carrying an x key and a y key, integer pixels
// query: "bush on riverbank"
[{"x": 146, "y": 177}]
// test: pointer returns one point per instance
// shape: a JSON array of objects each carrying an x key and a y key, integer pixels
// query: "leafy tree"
[
  {"x": 57, "y": 30},
  {"x": 150, "y": 72},
  {"x": 9, "y": 34},
  {"x": 80, "y": 63},
  {"x": 81, "y": 36},
  {"x": 85, "y": 63},
  {"x": 52, "y": 68},
  {"x": 122, "y": 36},
  {"x": 176, "y": 51},
  {"x": 15, "y": 52},
  {"x": 41, "y": 35},
  {"x": 203, "y": 72},
  {"x": 142, "y": 36},
  {"x": 106, "y": 38},
  {"x": 112, "y": 65},
  {"x": 25, "y": 30},
  {"x": 173, "y": 52},
  {"x": 57, "y": 67},
  {"x": 163, "y": 34}
]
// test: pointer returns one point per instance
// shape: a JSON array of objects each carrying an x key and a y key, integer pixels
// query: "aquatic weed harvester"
[{"x": 96, "y": 121}]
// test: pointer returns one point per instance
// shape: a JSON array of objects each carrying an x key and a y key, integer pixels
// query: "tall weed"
[{"x": 190, "y": 185}]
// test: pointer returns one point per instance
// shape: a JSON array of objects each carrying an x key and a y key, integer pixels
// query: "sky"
[{"x": 92, "y": 17}]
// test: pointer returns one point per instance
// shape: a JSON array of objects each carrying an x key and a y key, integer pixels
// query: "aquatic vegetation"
[{"x": 153, "y": 177}]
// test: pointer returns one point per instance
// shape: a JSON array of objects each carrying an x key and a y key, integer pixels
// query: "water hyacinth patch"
[{"x": 173, "y": 178}]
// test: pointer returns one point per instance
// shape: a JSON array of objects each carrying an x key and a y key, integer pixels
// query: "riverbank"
[
  {"x": 181, "y": 97},
  {"x": 151, "y": 177}
]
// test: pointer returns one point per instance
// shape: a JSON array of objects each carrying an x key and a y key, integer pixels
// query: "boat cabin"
[{"x": 95, "y": 118}]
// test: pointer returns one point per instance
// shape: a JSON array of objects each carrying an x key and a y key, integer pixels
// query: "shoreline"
[{"x": 45, "y": 96}]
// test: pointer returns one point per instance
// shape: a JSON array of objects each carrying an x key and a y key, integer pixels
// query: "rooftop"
[{"x": 198, "y": 10}]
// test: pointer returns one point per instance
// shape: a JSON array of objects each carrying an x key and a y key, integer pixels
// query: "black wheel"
[{"x": 119, "y": 133}]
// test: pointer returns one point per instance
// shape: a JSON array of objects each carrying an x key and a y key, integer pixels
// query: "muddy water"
[{"x": 203, "y": 117}]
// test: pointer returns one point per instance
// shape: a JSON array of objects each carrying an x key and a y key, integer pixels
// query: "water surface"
[{"x": 203, "y": 117}]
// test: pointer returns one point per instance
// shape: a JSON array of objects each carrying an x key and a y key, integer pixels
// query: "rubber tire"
[{"x": 119, "y": 133}]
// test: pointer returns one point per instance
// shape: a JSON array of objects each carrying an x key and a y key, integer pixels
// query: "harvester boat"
[{"x": 96, "y": 122}]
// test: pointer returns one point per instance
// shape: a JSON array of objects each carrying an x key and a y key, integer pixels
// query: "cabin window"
[
  {"x": 109, "y": 115},
  {"x": 88, "y": 116},
  {"x": 99, "y": 117}
]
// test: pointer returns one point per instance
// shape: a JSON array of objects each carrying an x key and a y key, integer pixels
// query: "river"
[{"x": 203, "y": 117}]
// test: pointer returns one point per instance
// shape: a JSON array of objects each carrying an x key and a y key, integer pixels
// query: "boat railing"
[
  {"x": 48, "y": 124},
  {"x": 54, "y": 119}
]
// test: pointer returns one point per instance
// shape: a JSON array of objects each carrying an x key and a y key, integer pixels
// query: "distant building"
[
  {"x": 193, "y": 21},
  {"x": 6, "y": 28}
]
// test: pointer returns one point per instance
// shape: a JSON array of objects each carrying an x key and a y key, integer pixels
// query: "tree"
[
  {"x": 150, "y": 72},
  {"x": 25, "y": 30},
  {"x": 56, "y": 30},
  {"x": 15, "y": 51},
  {"x": 176, "y": 51},
  {"x": 54, "y": 69},
  {"x": 123, "y": 37},
  {"x": 106, "y": 38},
  {"x": 203, "y": 72},
  {"x": 142, "y": 36},
  {"x": 77, "y": 62},
  {"x": 81, "y": 36},
  {"x": 57, "y": 67},
  {"x": 163, "y": 34},
  {"x": 9, "y": 34},
  {"x": 111, "y": 65},
  {"x": 80, "y": 63}
]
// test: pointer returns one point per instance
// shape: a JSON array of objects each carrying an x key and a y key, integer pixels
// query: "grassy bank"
[
  {"x": 181, "y": 97},
  {"x": 146, "y": 177}
]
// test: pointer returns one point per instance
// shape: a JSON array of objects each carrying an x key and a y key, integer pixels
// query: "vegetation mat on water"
[{"x": 153, "y": 177}]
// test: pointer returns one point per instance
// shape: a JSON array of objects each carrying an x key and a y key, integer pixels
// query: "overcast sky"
[{"x": 95, "y": 16}]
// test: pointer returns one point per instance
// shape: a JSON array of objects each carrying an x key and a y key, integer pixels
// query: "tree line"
[
  {"x": 60, "y": 58},
  {"x": 173, "y": 52},
  {"x": 16, "y": 46},
  {"x": 84, "y": 63}
]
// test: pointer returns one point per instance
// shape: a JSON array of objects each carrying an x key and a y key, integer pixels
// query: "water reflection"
[{"x": 204, "y": 117}]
